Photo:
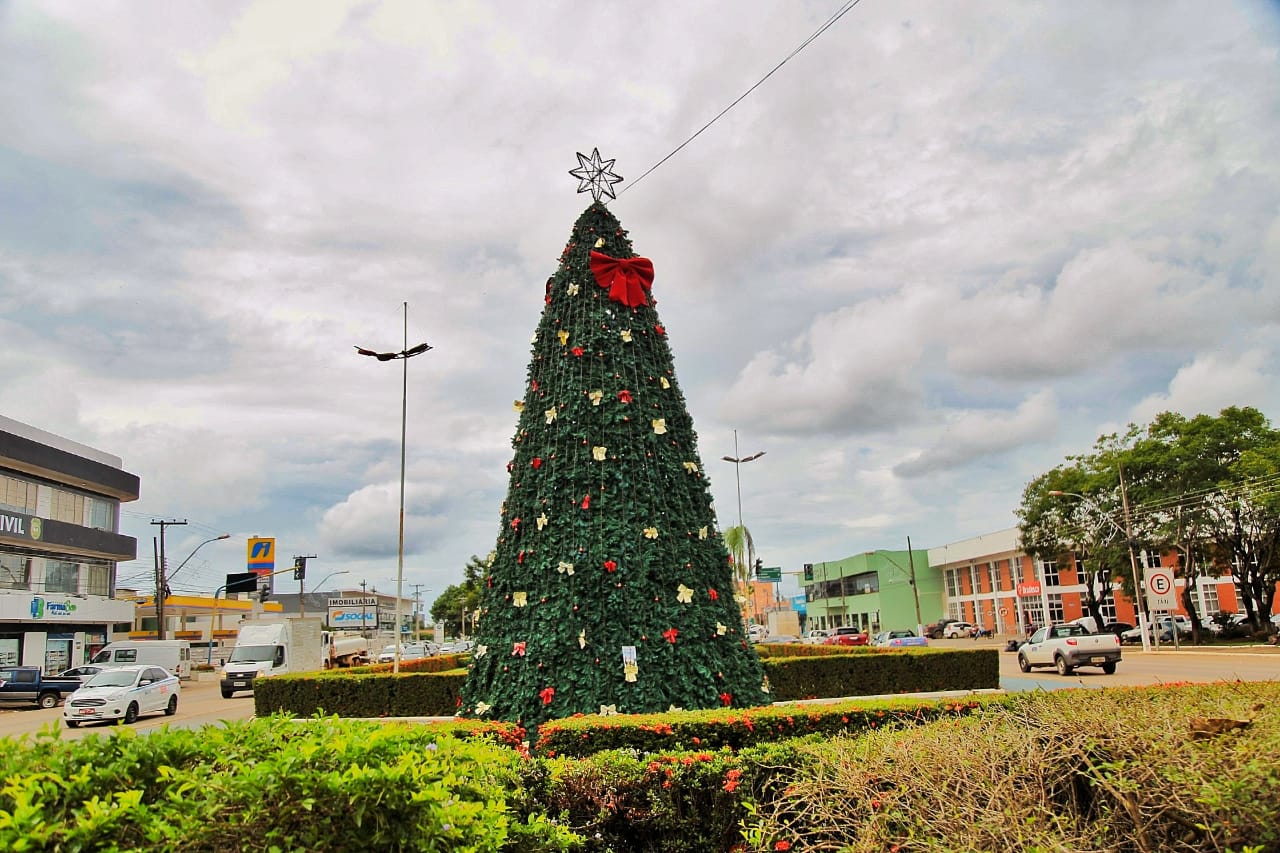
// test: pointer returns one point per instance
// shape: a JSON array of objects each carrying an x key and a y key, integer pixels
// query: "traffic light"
[
  {"x": 299, "y": 568},
  {"x": 759, "y": 566}
]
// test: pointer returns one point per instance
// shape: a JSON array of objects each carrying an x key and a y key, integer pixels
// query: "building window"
[
  {"x": 99, "y": 579},
  {"x": 1049, "y": 572},
  {"x": 993, "y": 575},
  {"x": 15, "y": 571},
  {"x": 61, "y": 577},
  {"x": 974, "y": 586},
  {"x": 953, "y": 585},
  {"x": 1209, "y": 599},
  {"x": 17, "y": 495},
  {"x": 67, "y": 506},
  {"x": 862, "y": 583},
  {"x": 102, "y": 514},
  {"x": 1107, "y": 610},
  {"x": 1056, "y": 613}
]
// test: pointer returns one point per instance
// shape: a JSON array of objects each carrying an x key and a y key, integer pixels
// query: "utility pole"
[
  {"x": 364, "y": 611},
  {"x": 915, "y": 590},
  {"x": 417, "y": 607},
  {"x": 162, "y": 583},
  {"x": 1144, "y": 618}
]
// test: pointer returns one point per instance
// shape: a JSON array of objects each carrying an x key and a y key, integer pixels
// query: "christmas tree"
[{"x": 610, "y": 589}]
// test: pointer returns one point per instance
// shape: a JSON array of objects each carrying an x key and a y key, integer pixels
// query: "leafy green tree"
[
  {"x": 454, "y": 606},
  {"x": 1202, "y": 487},
  {"x": 1070, "y": 513},
  {"x": 610, "y": 586}
]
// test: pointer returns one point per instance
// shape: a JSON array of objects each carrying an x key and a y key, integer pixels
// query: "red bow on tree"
[{"x": 626, "y": 278}]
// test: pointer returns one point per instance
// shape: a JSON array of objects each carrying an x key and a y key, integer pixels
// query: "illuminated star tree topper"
[{"x": 595, "y": 175}]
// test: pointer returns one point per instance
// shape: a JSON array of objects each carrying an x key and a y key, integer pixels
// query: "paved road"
[
  {"x": 1136, "y": 667},
  {"x": 200, "y": 702}
]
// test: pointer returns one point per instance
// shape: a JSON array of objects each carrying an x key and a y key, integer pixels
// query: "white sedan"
[{"x": 121, "y": 695}]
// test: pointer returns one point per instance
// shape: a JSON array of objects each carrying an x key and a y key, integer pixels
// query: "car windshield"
[
  {"x": 113, "y": 678},
  {"x": 252, "y": 654}
]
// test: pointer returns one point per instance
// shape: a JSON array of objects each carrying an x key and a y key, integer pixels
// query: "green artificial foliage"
[{"x": 607, "y": 539}]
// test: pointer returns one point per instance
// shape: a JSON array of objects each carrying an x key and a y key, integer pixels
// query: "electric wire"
[{"x": 836, "y": 16}]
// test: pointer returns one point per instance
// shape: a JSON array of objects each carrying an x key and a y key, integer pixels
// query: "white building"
[{"x": 59, "y": 546}]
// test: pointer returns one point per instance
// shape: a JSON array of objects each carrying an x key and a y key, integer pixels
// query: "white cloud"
[
  {"x": 1212, "y": 382},
  {"x": 966, "y": 436}
]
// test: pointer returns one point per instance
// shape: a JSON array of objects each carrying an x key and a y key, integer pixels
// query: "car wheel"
[
  {"x": 73, "y": 724},
  {"x": 226, "y": 694},
  {"x": 48, "y": 700},
  {"x": 1064, "y": 668},
  {"x": 1109, "y": 667},
  {"x": 1023, "y": 663},
  {"x": 130, "y": 714},
  {"x": 172, "y": 707}
]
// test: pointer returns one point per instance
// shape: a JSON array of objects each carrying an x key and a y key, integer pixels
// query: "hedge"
[{"x": 434, "y": 690}]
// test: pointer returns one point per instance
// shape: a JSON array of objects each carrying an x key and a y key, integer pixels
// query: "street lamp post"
[
  {"x": 403, "y": 355},
  {"x": 1126, "y": 532},
  {"x": 319, "y": 587},
  {"x": 162, "y": 592},
  {"x": 738, "y": 461}
]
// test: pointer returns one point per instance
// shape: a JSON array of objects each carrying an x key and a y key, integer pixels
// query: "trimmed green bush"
[
  {"x": 794, "y": 672},
  {"x": 267, "y": 785},
  {"x": 873, "y": 672}
]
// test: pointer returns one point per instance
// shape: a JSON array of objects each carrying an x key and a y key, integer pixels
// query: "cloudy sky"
[{"x": 942, "y": 247}]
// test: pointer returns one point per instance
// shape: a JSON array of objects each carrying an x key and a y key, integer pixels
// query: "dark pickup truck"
[{"x": 26, "y": 683}]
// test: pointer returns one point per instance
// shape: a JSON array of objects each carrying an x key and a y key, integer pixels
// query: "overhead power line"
[{"x": 837, "y": 15}]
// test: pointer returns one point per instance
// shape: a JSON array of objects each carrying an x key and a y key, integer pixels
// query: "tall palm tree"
[{"x": 742, "y": 548}]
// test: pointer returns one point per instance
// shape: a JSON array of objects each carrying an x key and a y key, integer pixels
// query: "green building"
[{"x": 873, "y": 591}]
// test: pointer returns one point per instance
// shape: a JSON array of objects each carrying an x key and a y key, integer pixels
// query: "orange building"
[{"x": 989, "y": 581}]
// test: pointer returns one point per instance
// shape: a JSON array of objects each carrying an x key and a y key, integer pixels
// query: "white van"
[{"x": 173, "y": 655}]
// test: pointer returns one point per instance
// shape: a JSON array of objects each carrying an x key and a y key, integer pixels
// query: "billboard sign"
[
  {"x": 358, "y": 612},
  {"x": 262, "y": 555}
]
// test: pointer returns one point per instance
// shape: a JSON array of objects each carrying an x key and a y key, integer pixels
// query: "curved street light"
[
  {"x": 163, "y": 592},
  {"x": 403, "y": 355}
]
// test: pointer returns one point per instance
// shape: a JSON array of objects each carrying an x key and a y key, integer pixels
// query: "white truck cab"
[{"x": 267, "y": 649}]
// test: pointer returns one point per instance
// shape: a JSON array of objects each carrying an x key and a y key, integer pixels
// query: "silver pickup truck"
[{"x": 1067, "y": 647}]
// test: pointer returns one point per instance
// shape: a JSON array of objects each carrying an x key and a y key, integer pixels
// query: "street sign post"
[
  {"x": 769, "y": 574},
  {"x": 1161, "y": 594}
]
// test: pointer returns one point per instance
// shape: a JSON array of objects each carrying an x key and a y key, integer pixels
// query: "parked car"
[
  {"x": 123, "y": 694},
  {"x": 780, "y": 638},
  {"x": 847, "y": 636},
  {"x": 898, "y": 639},
  {"x": 958, "y": 629},
  {"x": 936, "y": 630},
  {"x": 757, "y": 633},
  {"x": 883, "y": 637},
  {"x": 1116, "y": 628},
  {"x": 816, "y": 637},
  {"x": 83, "y": 673},
  {"x": 408, "y": 651},
  {"x": 457, "y": 647},
  {"x": 28, "y": 684},
  {"x": 1164, "y": 628}
]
